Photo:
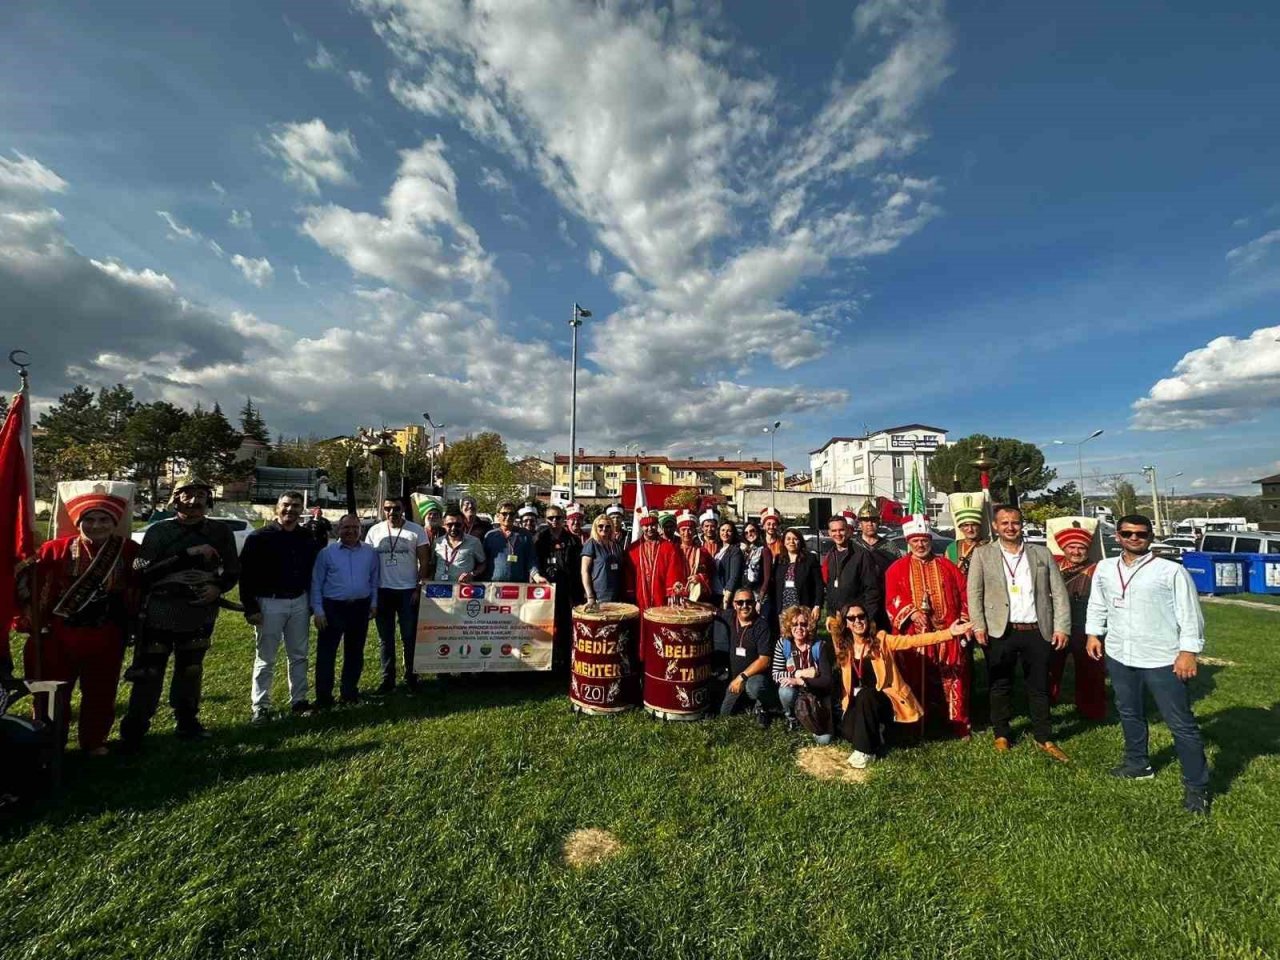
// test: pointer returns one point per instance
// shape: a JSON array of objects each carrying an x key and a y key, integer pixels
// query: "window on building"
[
  {"x": 752, "y": 475},
  {"x": 859, "y": 467}
]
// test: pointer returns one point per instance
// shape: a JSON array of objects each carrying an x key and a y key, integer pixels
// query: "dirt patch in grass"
[
  {"x": 1218, "y": 662},
  {"x": 586, "y": 848},
  {"x": 829, "y": 763}
]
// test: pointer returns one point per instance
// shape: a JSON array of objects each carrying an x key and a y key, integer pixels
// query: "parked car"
[
  {"x": 240, "y": 529},
  {"x": 1230, "y": 541}
]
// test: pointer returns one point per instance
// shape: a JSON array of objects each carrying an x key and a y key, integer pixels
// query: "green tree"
[
  {"x": 115, "y": 405},
  {"x": 469, "y": 460},
  {"x": 1066, "y": 497},
  {"x": 151, "y": 438},
  {"x": 79, "y": 437},
  {"x": 252, "y": 425},
  {"x": 1042, "y": 513},
  {"x": 498, "y": 482},
  {"x": 208, "y": 443},
  {"x": 1015, "y": 460},
  {"x": 1124, "y": 498}
]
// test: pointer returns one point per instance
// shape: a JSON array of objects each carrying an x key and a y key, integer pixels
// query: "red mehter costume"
[
  {"x": 86, "y": 594},
  {"x": 938, "y": 675},
  {"x": 1091, "y": 675},
  {"x": 653, "y": 572}
]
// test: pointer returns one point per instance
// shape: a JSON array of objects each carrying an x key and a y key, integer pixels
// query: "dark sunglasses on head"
[
  {"x": 856, "y": 618},
  {"x": 1133, "y": 534}
]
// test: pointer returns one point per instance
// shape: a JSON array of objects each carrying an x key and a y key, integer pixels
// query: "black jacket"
[
  {"x": 853, "y": 577},
  {"x": 810, "y": 590},
  {"x": 276, "y": 563}
]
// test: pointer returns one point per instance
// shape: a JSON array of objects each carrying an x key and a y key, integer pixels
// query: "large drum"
[
  {"x": 677, "y": 661},
  {"x": 603, "y": 677}
]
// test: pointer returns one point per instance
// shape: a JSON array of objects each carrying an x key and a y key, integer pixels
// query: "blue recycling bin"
[
  {"x": 1264, "y": 573},
  {"x": 1218, "y": 573}
]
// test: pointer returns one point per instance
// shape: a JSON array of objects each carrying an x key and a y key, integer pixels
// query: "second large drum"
[{"x": 677, "y": 661}]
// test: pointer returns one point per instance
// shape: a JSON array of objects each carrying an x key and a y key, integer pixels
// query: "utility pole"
[
  {"x": 578, "y": 314},
  {"x": 1149, "y": 472},
  {"x": 773, "y": 477}
]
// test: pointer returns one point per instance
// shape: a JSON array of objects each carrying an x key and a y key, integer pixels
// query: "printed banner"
[{"x": 489, "y": 627}]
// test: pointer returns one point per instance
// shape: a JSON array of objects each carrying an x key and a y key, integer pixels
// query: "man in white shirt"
[
  {"x": 459, "y": 556},
  {"x": 1020, "y": 609},
  {"x": 1148, "y": 609},
  {"x": 404, "y": 557}
]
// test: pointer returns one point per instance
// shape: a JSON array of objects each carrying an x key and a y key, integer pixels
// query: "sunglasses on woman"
[{"x": 856, "y": 618}]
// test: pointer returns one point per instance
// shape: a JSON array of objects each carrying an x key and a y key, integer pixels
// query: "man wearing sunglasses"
[
  {"x": 559, "y": 555},
  {"x": 510, "y": 550},
  {"x": 1148, "y": 609},
  {"x": 459, "y": 556},
  {"x": 750, "y": 647}
]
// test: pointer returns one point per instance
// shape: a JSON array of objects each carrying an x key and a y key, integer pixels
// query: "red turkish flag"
[{"x": 17, "y": 506}]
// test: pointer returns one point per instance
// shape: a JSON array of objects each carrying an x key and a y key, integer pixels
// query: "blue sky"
[{"x": 997, "y": 217}]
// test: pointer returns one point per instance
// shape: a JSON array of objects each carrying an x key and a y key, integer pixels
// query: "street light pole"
[
  {"x": 431, "y": 453},
  {"x": 1150, "y": 473},
  {"x": 1079, "y": 445},
  {"x": 578, "y": 314},
  {"x": 773, "y": 479}
]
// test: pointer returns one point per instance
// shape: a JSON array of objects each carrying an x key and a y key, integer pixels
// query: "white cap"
[
  {"x": 614, "y": 511},
  {"x": 768, "y": 512},
  {"x": 573, "y": 510},
  {"x": 527, "y": 511},
  {"x": 917, "y": 526},
  {"x": 708, "y": 515}
]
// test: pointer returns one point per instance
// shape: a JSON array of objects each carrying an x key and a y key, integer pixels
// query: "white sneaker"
[
  {"x": 261, "y": 715},
  {"x": 859, "y": 760}
]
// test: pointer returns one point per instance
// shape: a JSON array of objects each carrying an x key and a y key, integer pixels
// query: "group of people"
[{"x": 898, "y": 644}]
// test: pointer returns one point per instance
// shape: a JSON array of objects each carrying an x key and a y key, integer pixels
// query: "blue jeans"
[
  {"x": 1174, "y": 705},
  {"x": 788, "y": 697},
  {"x": 758, "y": 689},
  {"x": 393, "y": 606},
  {"x": 346, "y": 621}
]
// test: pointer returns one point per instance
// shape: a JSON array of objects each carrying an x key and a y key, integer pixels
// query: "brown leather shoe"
[
  {"x": 1003, "y": 745},
  {"x": 1052, "y": 750}
]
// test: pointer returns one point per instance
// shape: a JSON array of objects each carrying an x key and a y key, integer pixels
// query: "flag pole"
[{"x": 21, "y": 359}]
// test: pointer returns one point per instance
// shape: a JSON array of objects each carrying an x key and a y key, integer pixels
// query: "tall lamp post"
[
  {"x": 1149, "y": 472},
  {"x": 773, "y": 479},
  {"x": 578, "y": 315},
  {"x": 1079, "y": 445},
  {"x": 1168, "y": 506},
  {"x": 431, "y": 453}
]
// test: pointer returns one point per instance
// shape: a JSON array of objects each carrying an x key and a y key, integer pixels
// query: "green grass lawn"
[{"x": 433, "y": 827}]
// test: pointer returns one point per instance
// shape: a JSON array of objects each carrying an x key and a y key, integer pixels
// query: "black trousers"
[
  {"x": 348, "y": 621},
  {"x": 1003, "y": 654},
  {"x": 150, "y": 660},
  {"x": 861, "y": 723}
]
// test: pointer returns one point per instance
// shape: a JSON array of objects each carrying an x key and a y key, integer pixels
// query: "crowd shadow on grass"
[
  {"x": 1241, "y": 735},
  {"x": 164, "y": 774},
  {"x": 435, "y": 698}
]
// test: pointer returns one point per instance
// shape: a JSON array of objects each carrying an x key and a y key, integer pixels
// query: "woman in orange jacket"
[{"x": 869, "y": 687}]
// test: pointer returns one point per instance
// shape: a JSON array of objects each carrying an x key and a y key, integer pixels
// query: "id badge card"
[
  {"x": 791, "y": 664},
  {"x": 392, "y": 560},
  {"x": 740, "y": 651},
  {"x": 1120, "y": 603},
  {"x": 512, "y": 558},
  {"x": 790, "y": 584},
  {"x": 1014, "y": 589},
  {"x": 835, "y": 584},
  {"x": 614, "y": 566}
]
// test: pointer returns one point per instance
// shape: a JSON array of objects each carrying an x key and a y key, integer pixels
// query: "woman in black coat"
[
  {"x": 727, "y": 575},
  {"x": 797, "y": 577}
]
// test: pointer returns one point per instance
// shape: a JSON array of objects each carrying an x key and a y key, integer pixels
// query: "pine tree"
[{"x": 252, "y": 425}]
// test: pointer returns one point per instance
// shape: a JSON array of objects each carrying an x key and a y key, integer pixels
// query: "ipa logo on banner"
[{"x": 461, "y": 626}]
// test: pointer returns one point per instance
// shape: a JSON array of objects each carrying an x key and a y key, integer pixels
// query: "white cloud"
[
  {"x": 297, "y": 275},
  {"x": 595, "y": 262},
  {"x": 176, "y": 229},
  {"x": 1229, "y": 380},
  {"x": 676, "y": 156},
  {"x": 27, "y": 177},
  {"x": 422, "y": 244},
  {"x": 242, "y": 219},
  {"x": 322, "y": 59},
  {"x": 218, "y": 188},
  {"x": 312, "y": 153},
  {"x": 257, "y": 271},
  {"x": 1252, "y": 253},
  {"x": 491, "y": 178},
  {"x": 360, "y": 81},
  {"x": 143, "y": 278}
]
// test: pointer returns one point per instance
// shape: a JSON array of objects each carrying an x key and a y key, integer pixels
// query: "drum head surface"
[{"x": 607, "y": 612}]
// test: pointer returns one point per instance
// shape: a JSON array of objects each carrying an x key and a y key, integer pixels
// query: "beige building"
[{"x": 602, "y": 476}]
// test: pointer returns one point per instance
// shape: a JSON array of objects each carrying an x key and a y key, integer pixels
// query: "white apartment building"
[{"x": 851, "y": 469}]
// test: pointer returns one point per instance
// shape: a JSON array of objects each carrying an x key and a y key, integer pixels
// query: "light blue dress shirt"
[
  {"x": 1150, "y": 618},
  {"x": 344, "y": 573}
]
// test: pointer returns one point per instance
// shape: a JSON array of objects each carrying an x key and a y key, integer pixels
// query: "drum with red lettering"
[
  {"x": 677, "y": 661},
  {"x": 603, "y": 674}
]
